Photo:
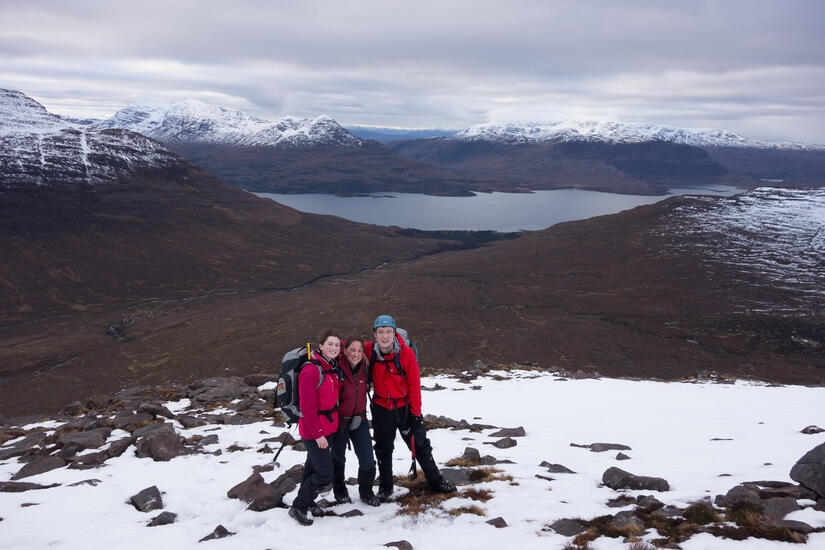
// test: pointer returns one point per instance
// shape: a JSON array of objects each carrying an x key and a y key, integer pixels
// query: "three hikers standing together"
[{"x": 333, "y": 401}]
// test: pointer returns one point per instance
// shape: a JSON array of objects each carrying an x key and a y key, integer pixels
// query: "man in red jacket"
[{"x": 396, "y": 405}]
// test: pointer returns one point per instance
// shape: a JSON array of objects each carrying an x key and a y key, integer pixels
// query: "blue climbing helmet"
[{"x": 384, "y": 321}]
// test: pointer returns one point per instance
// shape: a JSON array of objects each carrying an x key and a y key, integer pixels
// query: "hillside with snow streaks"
[
  {"x": 195, "y": 122},
  {"x": 615, "y": 132},
  {"x": 770, "y": 232},
  {"x": 39, "y": 148}
]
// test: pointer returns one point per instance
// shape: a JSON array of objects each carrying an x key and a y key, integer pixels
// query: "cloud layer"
[{"x": 754, "y": 67}]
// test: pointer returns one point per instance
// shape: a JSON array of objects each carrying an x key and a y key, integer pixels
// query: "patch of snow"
[{"x": 669, "y": 427}]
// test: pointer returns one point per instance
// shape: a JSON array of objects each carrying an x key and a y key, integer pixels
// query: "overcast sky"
[{"x": 752, "y": 67}]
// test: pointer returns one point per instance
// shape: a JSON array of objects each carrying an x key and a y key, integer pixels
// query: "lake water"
[{"x": 493, "y": 211}]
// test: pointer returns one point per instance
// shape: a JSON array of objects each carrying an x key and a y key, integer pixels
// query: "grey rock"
[
  {"x": 156, "y": 409},
  {"x": 147, "y": 500},
  {"x": 568, "y": 527},
  {"x": 117, "y": 448},
  {"x": 215, "y": 389},
  {"x": 88, "y": 459},
  {"x": 616, "y": 478},
  {"x": 648, "y": 503},
  {"x": 256, "y": 380},
  {"x": 809, "y": 471},
  {"x": 471, "y": 454},
  {"x": 556, "y": 468},
  {"x": 74, "y": 408},
  {"x": 621, "y": 501},
  {"x": 22, "y": 486},
  {"x": 602, "y": 447},
  {"x": 236, "y": 419},
  {"x": 510, "y": 432},
  {"x": 92, "y": 482},
  {"x": 154, "y": 428},
  {"x": 219, "y": 533},
  {"x": 161, "y": 447},
  {"x": 188, "y": 421},
  {"x": 778, "y": 507},
  {"x": 504, "y": 443},
  {"x": 810, "y": 430},
  {"x": 458, "y": 476},
  {"x": 38, "y": 466},
  {"x": 741, "y": 494},
  {"x": 400, "y": 544},
  {"x": 498, "y": 522},
  {"x": 22, "y": 446},
  {"x": 622, "y": 456},
  {"x": 210, "y": 439},
  {"x": 627, "y": 520},
  {"x": 165, "y": 518},
  {"x": 92, "y": 439},
  {"x": 351, "y": 514},
  {"x": 257, "y": 493},
  {"x": 128, "y": 420},
  {"x": 668, "y": 512}
]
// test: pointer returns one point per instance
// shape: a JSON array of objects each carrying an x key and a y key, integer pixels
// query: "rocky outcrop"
[
  {"x": 616, "y": 478},
  {"x": 147, "y": 500},
  {"x": 809, "y": 471}
]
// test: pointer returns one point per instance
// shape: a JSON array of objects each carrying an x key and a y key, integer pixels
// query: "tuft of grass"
[
  {"x": 463, "y": 462},
  {"x": 701, "y": 513},
  {"x": 483, "y": 475},
  {"x": 419, "y": 499},
  {"x": 758, "y": 531},
  {"x": 235, "y": 447},
  {"x": 473, "y": 509},
  {"x": 745, "y": 515},
  {"x": 481, "y": 495}
]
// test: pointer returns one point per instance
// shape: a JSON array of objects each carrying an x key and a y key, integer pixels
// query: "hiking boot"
[
  {"x": 442, "y": 486},
  {"x": 371, "y": 500},
  {"x": 342, "y": 496},
  {"x": 384, "y": 494},
  {"x": 299, "y": 516}
]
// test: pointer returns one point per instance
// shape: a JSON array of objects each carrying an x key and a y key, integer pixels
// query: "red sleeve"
[
  {"x": 308, "y": 398},
  {"x": 410, "y": 365}
]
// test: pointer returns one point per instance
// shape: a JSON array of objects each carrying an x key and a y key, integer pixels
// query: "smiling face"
[
  {"x": 354, "y": 352},
  {"x": 331, "y": 347},
  {"x": 384, "y": 337}
]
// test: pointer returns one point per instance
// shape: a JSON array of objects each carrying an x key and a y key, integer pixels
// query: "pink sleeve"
[{"x": 308, "y": 398}]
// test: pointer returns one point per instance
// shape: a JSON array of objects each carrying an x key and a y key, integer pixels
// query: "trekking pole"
[
  {"x": 413, "y": 468},
  {"x": 275, "y": 460}
]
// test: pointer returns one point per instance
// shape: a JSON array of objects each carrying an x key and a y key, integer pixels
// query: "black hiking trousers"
[{"x": 385, "y": 422}]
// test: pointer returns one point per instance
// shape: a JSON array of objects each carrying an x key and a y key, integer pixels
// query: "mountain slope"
[{"x": 286, "y": 156}]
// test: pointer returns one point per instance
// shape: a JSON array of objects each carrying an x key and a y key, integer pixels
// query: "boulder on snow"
[
  {"x": 498, "y": 522},
  {"x": 778, "y": 507},
  {"x": 503, "y": 443},
  {"x": 602, "y": 447},
  {"x": 616, "y": 478},
  {"x": 39, "y": 465},
  {"x": 93, "y": 439},
  {"x": 165, "y": 518},
  {"x": 745, "y": 493},
  {"x": 810, "y": 430},
  {"x": 791, "y": 525},
  {"x": 809, "y": 471},
  {"x": 627, "y": 520},
  {"x": 129, "y": 420},
  {"x": 219, "y": 533},
  {"x": 568, "y": 527},
  {"x": 457, "y": 476},
  {"x": 400, "y": 544},
  {"x": 147, "y": 500},
  {"x": 471, "y": 454},
  {"x": 257, "y": 493},
  {"x": 156, "y": 409},
  {"x": 22, "y": 486},
  {"x": 510, "y": 432},
  {"x": 160, "y": 442},
  {"x": 556, "y": 468}
]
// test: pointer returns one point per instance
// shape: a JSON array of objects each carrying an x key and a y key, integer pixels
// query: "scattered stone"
[
  {"x": 263, "y": 468},
  {"x": 219, "y": 533},
  {"x": 236, "y": 419},
  {"x": 545, "y": 478},
  {"x": 745, "y": 493},
  {"x": 471, "y": 454},
  {"x": 258, "y": 494},
  {"x": 809, "y": 471},
  {"x": 627, "y": 520},
  {"x": 568, "y": 527},
  {"x": 498, "y": 522},
  {"x": 188, "y": 421},
  {"x": 510, "y": 432},
  {"x": 401, "y": 545},
  {"x": 616, "y": 478},
  {"x": 147, "y": 500},
  {"x": 92, "y": 482},
  {"x": 668, "y": 512},
  {"x": 23, "y": 446},
  {"x": 162, "y": 445},
  {"x": 39, "y": 465},
  {"x": 156, "y": 409},
  {"x": 622, "y": 456},
  {"x": 556, "y": 468},
  {"x": 284, "y": 438},
  {"x": 458, "y": 476},
  {"x": 154, "y": 428},
  {"x": 129, "y": 420},
  {"x": 504, "y": 443},
  {"x": 351, "y": 514},
  {"x": 810, "y": 430},
  {"x": 217, "y": 389},
  {"x": 117, "y": 448},
  {"x": 92, "y": 439},
  {"x": 210, "y": 439},
  {"x": 22, "y": 486},
  {"x": 266, "y": 449},
  {"x": 89, "y": 459},
  {"x": 649, "y": 503},
  {"x": 165, "y": 518},
  {"x": 621, "y": 501},
  {"x": 602, "y": 447}
]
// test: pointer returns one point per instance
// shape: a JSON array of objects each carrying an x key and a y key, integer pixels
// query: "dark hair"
[
  {"x": 326, "y": 335},
  {"x": 351, "y": 339}
]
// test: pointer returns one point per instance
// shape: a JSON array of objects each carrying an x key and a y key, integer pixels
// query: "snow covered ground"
[{"x": 687, "y": 433}]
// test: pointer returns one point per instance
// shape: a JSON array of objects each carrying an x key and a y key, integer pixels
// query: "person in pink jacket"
[{"x": 318, "y": 386}]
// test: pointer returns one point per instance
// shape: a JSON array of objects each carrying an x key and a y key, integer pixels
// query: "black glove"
[{"x": 416, "y": 422}]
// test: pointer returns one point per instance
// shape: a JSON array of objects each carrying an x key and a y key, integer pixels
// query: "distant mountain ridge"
[
  {"x": 39, "y": 148},
  {"x": 387, "y": 135},
  {"x": 193, "y": 121},
  {"x": 616, "y": 132}
]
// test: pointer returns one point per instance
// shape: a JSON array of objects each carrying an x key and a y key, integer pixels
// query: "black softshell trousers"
[{"x": 385, "y": 423}]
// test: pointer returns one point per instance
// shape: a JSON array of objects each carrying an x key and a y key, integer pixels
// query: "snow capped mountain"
[
  {"x": 616, "y": 132},
  {"x": 195, "y": 122},
  {"x": 37, "y": 147}
]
